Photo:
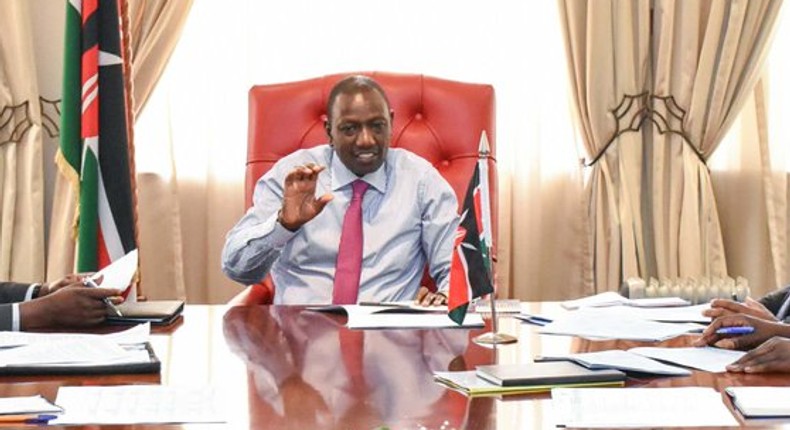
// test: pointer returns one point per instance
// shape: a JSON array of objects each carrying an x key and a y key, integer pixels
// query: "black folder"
[
  {"x": 157, "y": 312},
  {"x": 151, "y": 365}
]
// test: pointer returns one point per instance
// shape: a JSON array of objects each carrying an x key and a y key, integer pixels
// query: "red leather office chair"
[{"x": 438, "y": 119}]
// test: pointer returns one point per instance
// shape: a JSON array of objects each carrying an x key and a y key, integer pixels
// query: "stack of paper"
[
  {"x": 619, "y": 359},
  {"x": 611, "y": 298},
  {"x": 593, "y": 324},
  {"x": 640, "y": 407},
  {"x": 708, "y": 359},
  {"x": 761, "y": 402},
  {"x": 65, "y": 353},
  {"x": 134, "y": 404},
  {"x": 470, "y": 383}
]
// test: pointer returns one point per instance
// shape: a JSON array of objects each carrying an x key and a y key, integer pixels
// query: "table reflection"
[{"x": 306, "y": 370}]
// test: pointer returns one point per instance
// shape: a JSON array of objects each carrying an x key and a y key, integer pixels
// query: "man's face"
[{"x": 360, "y": 130}]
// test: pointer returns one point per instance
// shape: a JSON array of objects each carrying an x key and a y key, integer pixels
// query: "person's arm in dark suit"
[
  {"x": 10, "y": 292},
  {"x": 61, "y": 304},
  {"x": 774, "y": 301}
]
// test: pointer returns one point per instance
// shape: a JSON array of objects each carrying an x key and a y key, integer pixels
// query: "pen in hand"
[
  {"x": 88, "y": 282},
  {"x": 736, "y": 330}
]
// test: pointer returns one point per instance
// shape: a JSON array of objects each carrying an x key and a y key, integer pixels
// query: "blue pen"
[
  {"x": 41, "y": 419},
  {"x": 736, "y": 330}
]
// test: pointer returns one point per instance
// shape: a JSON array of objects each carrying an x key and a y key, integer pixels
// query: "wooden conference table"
[{"x": 284, "y": 367}]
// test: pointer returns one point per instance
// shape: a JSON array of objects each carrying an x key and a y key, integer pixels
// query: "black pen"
[{"x": 88, "y": 282}]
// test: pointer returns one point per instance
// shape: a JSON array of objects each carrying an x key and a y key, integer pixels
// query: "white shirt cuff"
[
  {"x": 15, "y": 317},
  {"x": 29, "y": 293}
]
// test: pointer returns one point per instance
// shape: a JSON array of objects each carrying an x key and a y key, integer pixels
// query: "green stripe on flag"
[
  {"x": 71, "y": 104},
  {"x": 87, "y": 256},
  {"x": 458, "y": 314}
]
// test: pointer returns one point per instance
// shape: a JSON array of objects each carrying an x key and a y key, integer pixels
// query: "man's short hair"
[{"x": 352, "y": 85}]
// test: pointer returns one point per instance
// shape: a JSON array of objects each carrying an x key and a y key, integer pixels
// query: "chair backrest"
[{"x": 438, "y": 119}]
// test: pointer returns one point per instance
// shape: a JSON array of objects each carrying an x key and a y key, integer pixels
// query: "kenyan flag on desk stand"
[
  {"x": 94, "y": 140},
  {"x": 470, "y": 270}
]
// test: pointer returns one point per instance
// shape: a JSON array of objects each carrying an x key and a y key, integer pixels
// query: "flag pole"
[{"x": 494, "y": 336}]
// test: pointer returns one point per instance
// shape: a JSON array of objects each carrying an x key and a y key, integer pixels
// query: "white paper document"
[
  {"x": 120, "y": 273},
  {"x": 87, "y": 350},
  {"x": 27, "y": 405},
  {"x": 619, "y": 359},
  {"x": 761, "y": 402},
  {"x": 610, "y": 298},
  {"x": 412, "y": 320},
  {"x": 706, "y": 358},
  {"x": 138, "y": 404},
  {"x": 640, "y": 407},
  {"x": 134, "y": 335},
  {"x": 669, "y": 314},
  {"x": 592, "y": 324}
]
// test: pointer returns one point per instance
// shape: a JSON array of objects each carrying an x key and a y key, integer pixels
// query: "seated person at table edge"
[
  {"x": 66, "y": 303},
  {"x": 293, "y": 230},
  {"x": 774, "y": 306},
  {"x": 769, "y": 339}
]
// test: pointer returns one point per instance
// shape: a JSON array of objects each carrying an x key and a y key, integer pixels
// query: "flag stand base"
[{"x": 492, "y": 338}]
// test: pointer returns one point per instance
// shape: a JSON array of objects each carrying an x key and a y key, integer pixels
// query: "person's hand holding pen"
[
  {"x": 73, "y": 305},
  {"x": 740, "y": 331},
  {"x": 89, "y": 282}
]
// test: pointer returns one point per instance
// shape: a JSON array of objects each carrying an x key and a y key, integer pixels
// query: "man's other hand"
[
  {"x": 427, "y": 298},
  {"x": 771, "y": 356},
  {"x": 722, "y": 307}
]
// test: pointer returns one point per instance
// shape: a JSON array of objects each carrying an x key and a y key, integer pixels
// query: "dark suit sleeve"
[
  {"x": 5, "y": 316},
  {"x": 12, "y": 292},
  {"x": 773, "y": 301}
]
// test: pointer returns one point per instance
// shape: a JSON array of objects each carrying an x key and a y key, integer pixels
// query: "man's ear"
[
  {"x": 328, "y": 130},
  {"x": 392, "y": 115}
]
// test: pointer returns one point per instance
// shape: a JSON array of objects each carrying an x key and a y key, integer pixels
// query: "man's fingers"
[
  {"x": 421, "y": 293},
  {"x": 322, "y": 201}
]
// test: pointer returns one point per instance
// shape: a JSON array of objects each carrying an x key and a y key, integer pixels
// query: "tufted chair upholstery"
[{"x": 438, "y": 119}]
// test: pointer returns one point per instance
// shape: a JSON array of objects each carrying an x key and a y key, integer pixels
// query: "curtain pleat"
[{"x": 21, "y": 177}]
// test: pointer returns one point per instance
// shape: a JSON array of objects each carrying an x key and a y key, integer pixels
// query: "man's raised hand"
[{"x": 299, "y": 202}]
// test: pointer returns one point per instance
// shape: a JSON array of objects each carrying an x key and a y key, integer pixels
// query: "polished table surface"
[{"x": 287, "y": 367}]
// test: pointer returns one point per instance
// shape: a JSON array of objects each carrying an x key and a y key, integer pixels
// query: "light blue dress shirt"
[{"x": 409, "y": 216}]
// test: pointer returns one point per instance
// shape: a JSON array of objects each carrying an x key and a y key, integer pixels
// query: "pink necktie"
[{"x": 349, "y": 255}]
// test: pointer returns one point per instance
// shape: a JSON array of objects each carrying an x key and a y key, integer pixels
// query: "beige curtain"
[
  {"x": 652, "y": 210},
  {"x": 155, "y": 27},
  {"x": 708, "y": 58},
  {"x": 749, "y": 172},
  {"x": 21, "y": 177},
  {"x": 608, "y": 46}
]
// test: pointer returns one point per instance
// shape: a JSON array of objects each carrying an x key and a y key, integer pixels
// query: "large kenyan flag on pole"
[
  {"x": 94, "y": 142},
  {"x": 470, "y": 269}
]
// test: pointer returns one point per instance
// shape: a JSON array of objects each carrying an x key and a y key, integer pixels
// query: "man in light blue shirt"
[{"x": 409, "y": 212}]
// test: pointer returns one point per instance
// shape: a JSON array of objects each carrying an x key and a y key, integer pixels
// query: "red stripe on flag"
[
  {"x": 459, "y": 281},
  {"x": 478, "y": 211},
  {"x": 90, "y": 71}
]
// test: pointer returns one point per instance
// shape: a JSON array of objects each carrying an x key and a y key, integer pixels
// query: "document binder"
[
  {"x": 149, "y": 364},
  {"x": 157, "y": 312},
  {"x": 546, "y": 374}
]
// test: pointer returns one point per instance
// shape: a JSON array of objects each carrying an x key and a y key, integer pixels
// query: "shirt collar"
[{"x": 341, "y": 176}]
